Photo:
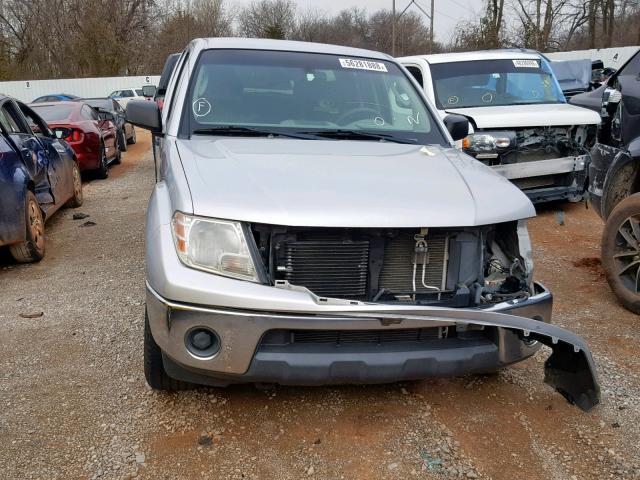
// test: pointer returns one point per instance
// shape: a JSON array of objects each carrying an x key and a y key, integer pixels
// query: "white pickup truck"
[{"x": 521, "y": 123}]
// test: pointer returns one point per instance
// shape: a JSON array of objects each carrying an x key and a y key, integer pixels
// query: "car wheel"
[
  {"x": 118, "y": 158},
  {"x": 122, "y": 140},
  {"x": 103, "y": 169},
  {"x": 78, "y": 198},
  {"x": 154, "y": 371},
  {"x": 32, "y": 249},
  {"x": 621, "y": 252},
  {"x": 132, "y": 139}
]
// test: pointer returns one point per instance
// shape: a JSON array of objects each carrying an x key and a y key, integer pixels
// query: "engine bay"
[{"x": 457, "y": 267}]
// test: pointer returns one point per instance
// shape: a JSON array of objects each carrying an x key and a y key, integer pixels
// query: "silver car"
[{"x": 313, "y": 224}]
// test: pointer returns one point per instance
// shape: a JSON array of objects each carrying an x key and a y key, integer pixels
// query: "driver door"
[
  {"x": 59, "y": 171},
  {"x": 32, "y": 152}
]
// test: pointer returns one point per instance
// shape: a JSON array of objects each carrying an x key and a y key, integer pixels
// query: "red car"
[{"x": 91, "y": 133}]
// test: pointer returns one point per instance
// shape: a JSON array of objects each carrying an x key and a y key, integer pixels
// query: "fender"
[{"x": 619, "y": 181}]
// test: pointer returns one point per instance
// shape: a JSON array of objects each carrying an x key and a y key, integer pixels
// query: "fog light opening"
[{"x": 202, "y": 342}]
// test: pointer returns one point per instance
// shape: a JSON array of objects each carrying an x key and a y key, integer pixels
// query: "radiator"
[
  {"x": 340, "y": 268},
  {"x": 329, "y": 268},
  {"x": 397, "y": 269}
]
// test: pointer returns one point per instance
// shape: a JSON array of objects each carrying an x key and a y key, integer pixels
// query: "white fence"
[
  {"x": 27, "y": 90},
  {"x": 611, "y": 57}
]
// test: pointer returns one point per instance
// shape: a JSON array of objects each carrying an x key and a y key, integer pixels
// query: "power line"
[{"x": 466, "y": 7}]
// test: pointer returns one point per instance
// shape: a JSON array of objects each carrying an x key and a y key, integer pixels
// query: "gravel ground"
[{"x": 74, "y": 403}]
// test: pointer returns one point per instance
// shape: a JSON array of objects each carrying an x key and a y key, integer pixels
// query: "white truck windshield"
[{"x": 486, "y": 83}]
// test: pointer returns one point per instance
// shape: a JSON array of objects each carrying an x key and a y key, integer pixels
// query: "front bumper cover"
[{"x": 570, "y": 369}]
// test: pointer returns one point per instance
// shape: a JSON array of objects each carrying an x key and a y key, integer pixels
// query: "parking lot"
[{"x": 74, "y": 402}]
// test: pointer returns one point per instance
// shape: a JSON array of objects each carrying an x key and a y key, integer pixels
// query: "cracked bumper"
[{"x": 511, "y": 330}]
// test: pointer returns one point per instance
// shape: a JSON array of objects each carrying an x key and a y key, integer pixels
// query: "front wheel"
[
  {"x": 621, "y": 252},
  {"x": 154, "y": 371},
  {"x": 32, "y": 249}
]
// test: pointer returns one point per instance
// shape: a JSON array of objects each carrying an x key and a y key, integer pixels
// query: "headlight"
[
  {"x": 484, "y": 143},
  {"x": 216, "y": 246}
]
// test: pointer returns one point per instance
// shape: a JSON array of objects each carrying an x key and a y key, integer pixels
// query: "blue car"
[
  {"x": 56, "y": 97},
  {"x": 38, "y": 175}
]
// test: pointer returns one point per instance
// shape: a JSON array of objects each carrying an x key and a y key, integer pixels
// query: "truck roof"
[
  {"x": 284, "y": 45},
  {"x": 504, "y": 54}
]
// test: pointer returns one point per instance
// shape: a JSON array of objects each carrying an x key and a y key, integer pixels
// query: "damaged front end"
[
  {"x": 546, "y": 163},
  {"x": 448, "y": 288}
]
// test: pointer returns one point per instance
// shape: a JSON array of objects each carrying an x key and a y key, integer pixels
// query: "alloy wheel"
[
  {"x": 36, "y": 225},
  {"x": 627, "y": 253},
  {"x": 77, "y": 183}
]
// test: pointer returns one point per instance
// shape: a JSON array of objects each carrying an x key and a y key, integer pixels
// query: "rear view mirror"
[
  {"x": 149, "y": 91},
  {"x": 145, "y": 115},
  {"x": 58, "y": 134},
  {"x": 457, "y": 125}
]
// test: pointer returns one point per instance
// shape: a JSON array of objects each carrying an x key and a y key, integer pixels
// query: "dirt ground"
[{"x": 74, "y": 402}]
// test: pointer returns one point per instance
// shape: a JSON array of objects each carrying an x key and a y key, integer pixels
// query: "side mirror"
[
  {"x": 149, "y": 91},
  {"x": 457, "y": 125},
  {"x": 145, "y": 115}
]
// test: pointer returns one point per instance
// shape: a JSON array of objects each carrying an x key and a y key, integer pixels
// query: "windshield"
[
  {"x": 486, "y": 83},
  {"x": 306, "y": 93},
  {"x": 52, "y": 113}
]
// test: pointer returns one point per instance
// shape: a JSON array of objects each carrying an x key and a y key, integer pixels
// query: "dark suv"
[{"x": 614, "y": 185}]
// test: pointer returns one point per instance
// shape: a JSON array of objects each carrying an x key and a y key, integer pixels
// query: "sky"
[{"x": 448, "y": 12}]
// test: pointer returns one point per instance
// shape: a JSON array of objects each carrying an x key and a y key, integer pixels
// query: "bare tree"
[
  {"x": 487, "y": 33},
  {"x": 313, "y": 26},
  {"x": 539, "y": 23},
  {"x": 268, "y": 19}
]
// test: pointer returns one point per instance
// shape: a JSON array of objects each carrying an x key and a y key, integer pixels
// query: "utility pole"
[
  {"x": 393, "y": 29},
  {"x": 431, "y": 27},
  {"x": 395, "y": 18}
]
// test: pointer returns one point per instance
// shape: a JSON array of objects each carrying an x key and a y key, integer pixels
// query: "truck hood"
[
  {"x": 328, "y": 183},
  {"x": 514, "y": 116}
]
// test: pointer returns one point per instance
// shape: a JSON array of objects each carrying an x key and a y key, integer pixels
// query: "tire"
[
  {"x": 621, "y": 252},
  {"x": 103, "y": 170},
  {"x": 118, "y": 159},
  {"x": 154, "y": 371},
  {"x": 122, "y": 140},
  {"x": 32, "y": 249},
  {"x": 78, "y": 197},
  {"x": 132, "y": 140}
]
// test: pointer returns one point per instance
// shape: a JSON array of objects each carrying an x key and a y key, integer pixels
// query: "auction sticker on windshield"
[
  {"x": 363, "y": 65},
  {"x": 525, "y": 63}
]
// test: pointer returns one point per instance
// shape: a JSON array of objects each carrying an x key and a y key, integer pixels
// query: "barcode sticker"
[
  {"x": 526, "y": 64},
  {"x": 363, "y": 65}
]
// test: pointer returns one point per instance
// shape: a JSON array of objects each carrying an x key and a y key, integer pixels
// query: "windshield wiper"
[
  {"x": 357, "y": 135},
  {"x": 246, "y": 131}
]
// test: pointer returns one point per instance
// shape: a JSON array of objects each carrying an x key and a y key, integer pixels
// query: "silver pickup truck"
[{"x": 313, "y": 224}]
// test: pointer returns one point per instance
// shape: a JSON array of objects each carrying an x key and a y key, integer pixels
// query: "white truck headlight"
[
  {"x": 212, "y": 245},
  {"x": 481, "y": 142}
]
